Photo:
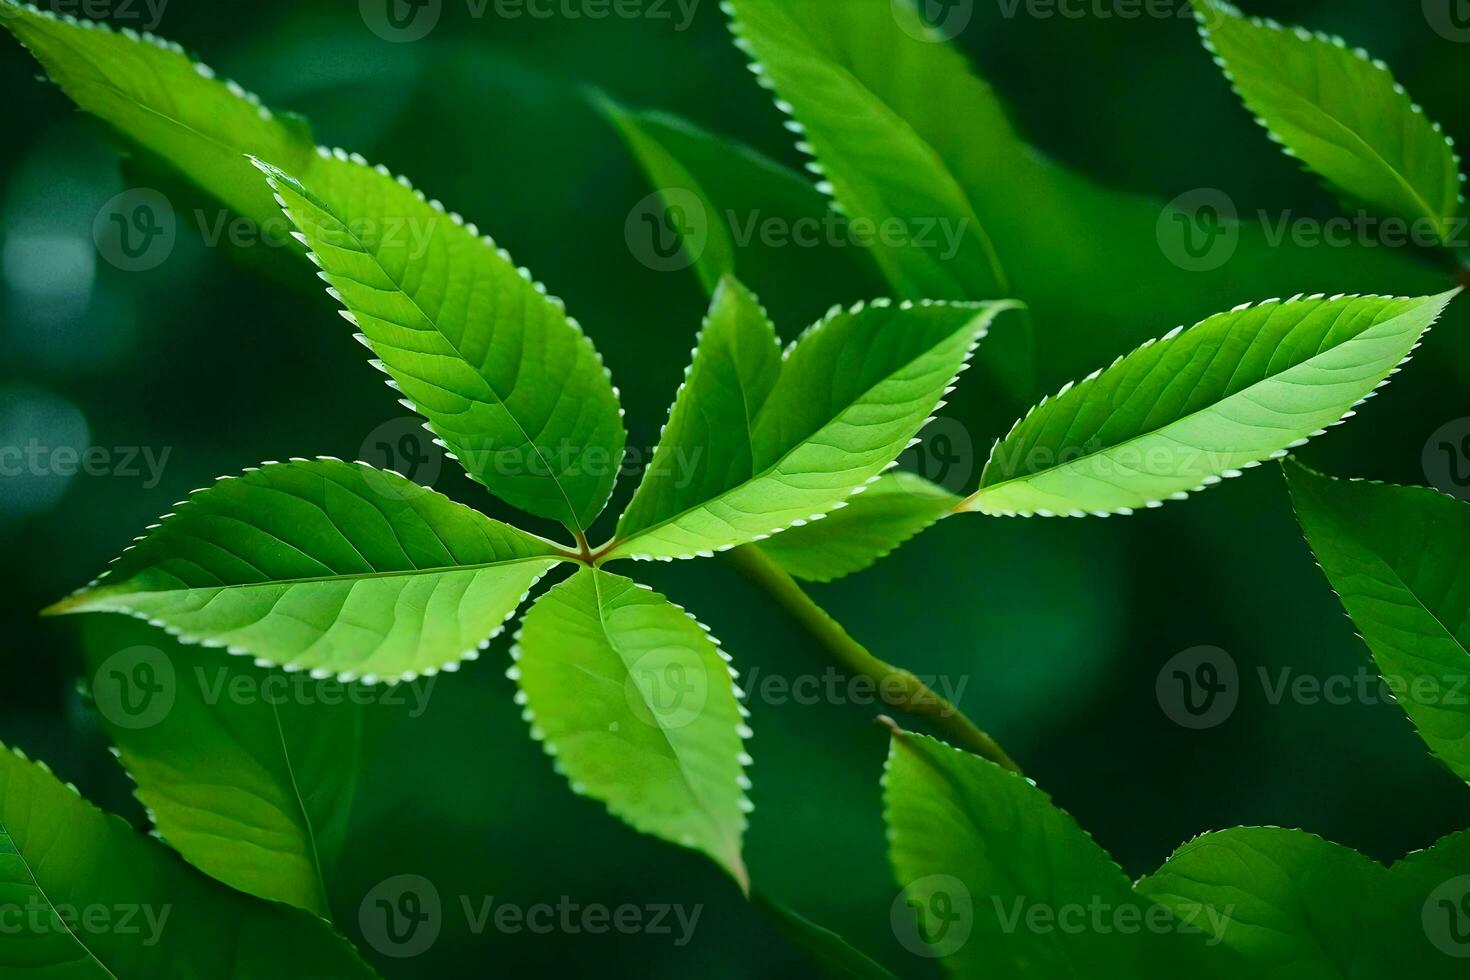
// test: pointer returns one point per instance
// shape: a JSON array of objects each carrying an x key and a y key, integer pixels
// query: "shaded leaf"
[
  {"x": 890, "y": 512},
  {"x": 76, "y": 872},
  {"x": 1396, "y": 558},
  {"x": 249, "y": 782}
]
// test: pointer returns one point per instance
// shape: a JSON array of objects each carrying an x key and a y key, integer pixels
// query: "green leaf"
[
  {"x": 635, "y": 701},
  {"x": 891, "y": 511},
  {"x": 98, "y": 900},
  {"x": 1341, "y": 113},
  {"x": 1432, "y": 887},
  {"x": 875, "y": 164},
  {"x": 1396, "y": 557},
  {"x": 155, "y": 96},
  {"x": 1202, "y": 404},
  {"x": 1097, "y": 237},
  {"x": 766, "y": 212},
  {"x": 1288, "y": 902},
  {"x": 508, "y": 382},
  {"x": 709, "y": 245},
  {"x": 249, "y": 774},
  {"x": 708, "y": 445},
  {"x": 329, "y": 566},
  {"x": 997, "y": 881},
  {"x": 882, "y": 170},
  {"x": 852, "y": 393}
]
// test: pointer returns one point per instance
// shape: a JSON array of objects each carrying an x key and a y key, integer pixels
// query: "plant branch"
[{"x": 899, "y": 688}]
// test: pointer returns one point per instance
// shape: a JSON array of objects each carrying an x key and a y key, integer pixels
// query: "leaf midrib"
[
  {"x": 26, "y": 863},
  {"x": 308, "y": 580}
]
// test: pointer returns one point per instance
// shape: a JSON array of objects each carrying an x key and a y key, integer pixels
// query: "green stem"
[{"x": 898, "y": 687}]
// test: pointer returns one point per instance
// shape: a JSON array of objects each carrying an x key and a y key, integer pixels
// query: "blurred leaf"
[
  {"x": 507, "y": 380},
  {"x": 635, "y": 702},
  {"x": 1289, "y": 902},
  {"x": 785, "y": 242},
  {"x": 329, "y": 566},
  {"x": 1064, "y": 240},
  {"x": 872, "y": 525},
  {"x": 250, "y": 784},
  {"x": 98, "y": 900},
  {"x": 151, "y": 93},
  {"x": 852, "y": 392},
  {"x": 713, "y": 254},
  {"x": 1340, "y": 112},
  {"x": 836, "y": 956},
  {"x": 1395, "y": 556},
  {"x": 997, "y": 881},
  {"x": 1181, "y": 414}
]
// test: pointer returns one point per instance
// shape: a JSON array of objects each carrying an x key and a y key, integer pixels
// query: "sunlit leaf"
[
  {"x": 635, "y": 702},
  {"x": 333, "y": 567}
]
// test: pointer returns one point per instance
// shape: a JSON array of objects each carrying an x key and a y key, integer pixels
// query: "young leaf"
[
  {"x": 851, "y": 394},
  {"x": 635, "y": 701},
  {"x": 1288, "y": 902},
  {"x": 892, "y": 510},
  {"x": 328, "y": 566},
  {"x": 707, "y": 445},
  {"x": 230, "y": 764},
  {"x": 1181, "y": 414},
  {"x": 155, "y": 96},
  {"x": 508, "y": 382},
  {"x": 1000, "y": 882},
  {"x": 1396, "y": 557},
  {"x": 63, "y": 861},
  {"x": 1340, "y": 112}
]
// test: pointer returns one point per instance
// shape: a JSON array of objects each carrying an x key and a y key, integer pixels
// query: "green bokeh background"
[{"x": 1056, "y": 629}]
